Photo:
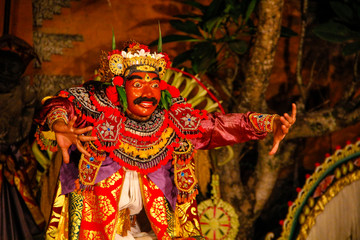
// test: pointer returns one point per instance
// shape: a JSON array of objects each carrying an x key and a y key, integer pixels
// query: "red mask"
[{"x": 143, "y": 93}]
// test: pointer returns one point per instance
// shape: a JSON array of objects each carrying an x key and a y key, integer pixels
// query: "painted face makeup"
[{"x": 143, "y": 93}]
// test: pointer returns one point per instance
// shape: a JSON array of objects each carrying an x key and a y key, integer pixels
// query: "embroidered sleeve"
[
  {"x": 262, "y": 122},
  {"x": 53, "y": 109},
  {"x": 56, "y": 114},
  {"x": 226, "y": 129}
]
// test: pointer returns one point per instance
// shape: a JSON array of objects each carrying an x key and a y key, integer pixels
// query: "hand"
[
  {"x": 281, "y": 128},
  {"x": 66, "y": 135}
]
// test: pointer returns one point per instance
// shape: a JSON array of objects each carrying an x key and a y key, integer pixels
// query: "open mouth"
[{"x": 146, "y": 104}]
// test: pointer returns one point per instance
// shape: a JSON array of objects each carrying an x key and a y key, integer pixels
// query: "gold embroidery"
[
  {"x": 75, "y": 212},
  {"x": 92, "y": 235},
  {"x": 186, "y": 227},
  {"x": 109, "y": 228},
  {"x": 53, "y": 230},
  {"x": 152, "y": 150},
  {"x": 63, "y": 226},
  {"x": 105, "y": 204},
  {"x": 88, "y": 169},
  {"x": 262, "y": 122},
  {"x": 109, "y": 182},
  {"x": 158, "y": 211},
  {"x": 123, "y": 224},
  {"x": 28, "y": 198},
  {"x": 89, "y": 201},
  {"x": 97, "y": 216}
]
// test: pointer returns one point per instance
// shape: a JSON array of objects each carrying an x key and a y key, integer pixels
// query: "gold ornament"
[
  {"x": 116, "y": 64},
  {"x": 218, "y": 219}
]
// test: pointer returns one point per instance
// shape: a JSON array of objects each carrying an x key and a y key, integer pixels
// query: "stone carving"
[
  {"x": 49, "y": 85},
  {"x": 46, "y": 44},
  {"x": 45, "y": 9}
]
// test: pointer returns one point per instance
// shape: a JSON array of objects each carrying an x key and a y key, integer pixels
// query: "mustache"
[{"x": 145, "y": 99}]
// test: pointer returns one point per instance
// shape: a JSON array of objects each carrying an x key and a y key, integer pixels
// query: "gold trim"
[
  {"x": 149, "y": 151},
  {"x": 309, "y": 184},
  {"x": 323, "y": 201}
]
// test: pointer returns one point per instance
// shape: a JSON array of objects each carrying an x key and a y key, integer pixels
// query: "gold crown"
[{"x": 137, "y": 58}]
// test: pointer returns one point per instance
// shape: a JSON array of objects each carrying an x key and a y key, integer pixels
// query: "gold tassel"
[
  {"x": 202, "y": 169},
  {"x": 123, "y": 224}
]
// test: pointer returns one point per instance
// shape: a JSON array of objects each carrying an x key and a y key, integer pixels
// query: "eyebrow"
[
  {"x": 139, "y": 77},
  {"x": 134, "y": 77}
]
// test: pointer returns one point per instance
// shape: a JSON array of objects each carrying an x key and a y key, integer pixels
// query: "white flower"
[
  {"x": 157, "y": 55},
  {"x": 126, "y": 54},
  {"x": 142, "y": 53}
]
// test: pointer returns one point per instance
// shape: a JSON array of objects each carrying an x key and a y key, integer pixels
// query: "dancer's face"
[{"x": 143, "y": 93}]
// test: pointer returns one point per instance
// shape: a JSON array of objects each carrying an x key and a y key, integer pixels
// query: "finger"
[
  {"x": 289, "y": 119},
  {"x": 86, "y": 138},
  {"x": 293, "y": 114},
  {"x": 285, "y": 122},
  {"x": 274, "y": 148},
  {"x": 72, "y": 122},
  {"x": 80, "y": 131},
  {"x": 82, "y": 149},
  {"x": 285, "y": 130},
  {"x": 65, "y": 154}
]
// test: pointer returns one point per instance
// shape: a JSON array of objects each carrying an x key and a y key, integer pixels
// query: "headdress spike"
[
  {"x": 160, "y": 40},
  {"x": 113, "y": 46}
]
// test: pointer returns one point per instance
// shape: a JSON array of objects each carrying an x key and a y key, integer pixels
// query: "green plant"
[
  {"x": 342, "y": 25},
  {"x": 222, "y": 30}
]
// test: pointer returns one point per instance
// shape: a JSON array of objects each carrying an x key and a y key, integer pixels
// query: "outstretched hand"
[
  {"x": 281, "y": 128},
  {"x": 67, "y": 134}
]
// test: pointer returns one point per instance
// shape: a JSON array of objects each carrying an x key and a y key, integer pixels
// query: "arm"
[
  {"x": 228, "y": 129},
  {"x": 58, "y": 114}
]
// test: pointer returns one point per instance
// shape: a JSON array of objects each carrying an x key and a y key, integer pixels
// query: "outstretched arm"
[
  {"x": 281, "y": 127},
  {"x": 66, "y": 135}
]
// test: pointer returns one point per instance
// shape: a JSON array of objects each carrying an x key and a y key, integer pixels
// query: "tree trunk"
[
  {"x": 262, "y": 60},
  {"x": 249, "y": 200}
]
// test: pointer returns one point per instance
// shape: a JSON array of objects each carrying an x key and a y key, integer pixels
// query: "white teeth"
[{"x": 145, "y": 104}]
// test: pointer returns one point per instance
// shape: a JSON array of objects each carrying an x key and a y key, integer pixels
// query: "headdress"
[
  {"x": 137, "y": 58},
  {"x": 117, "y": 65}
]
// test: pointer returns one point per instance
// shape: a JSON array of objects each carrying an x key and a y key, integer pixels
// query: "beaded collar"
[{"x": 141, "y": 146}]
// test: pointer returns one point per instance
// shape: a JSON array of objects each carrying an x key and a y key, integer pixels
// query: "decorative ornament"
[
  {"x": 138, "y": 58},
  {"x": 218, "y": 219},
  {"x": 338, "y": 171},
  {"x": 116, "y": 64}
]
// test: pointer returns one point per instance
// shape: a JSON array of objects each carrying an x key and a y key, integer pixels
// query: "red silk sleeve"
[
  {"x": 226, "y": 129},
  {"x": 55, "y": 103}
]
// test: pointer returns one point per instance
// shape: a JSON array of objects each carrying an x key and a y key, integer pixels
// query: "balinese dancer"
[{"x": 128, "y": 143}]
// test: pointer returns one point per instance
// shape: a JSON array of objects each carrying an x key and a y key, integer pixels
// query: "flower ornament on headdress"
[{"x": 137, "y": 58}]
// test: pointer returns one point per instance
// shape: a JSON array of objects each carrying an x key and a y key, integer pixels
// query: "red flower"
[
  {"x": 139, "y": 46},
  {"x": 118, "y": 81},
  {"x": 167, "y": 59},
  {"x": 174, "y": 91},
  {"x": 113, "y": 52},
  {"x": 112, "y": 94},
  {"x": 132, "y": 44},
  {"x": 146, "y": 48},
  {"x": 163, "y": 85}
]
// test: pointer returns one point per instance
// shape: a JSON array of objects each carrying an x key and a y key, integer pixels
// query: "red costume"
[{"x": 159, "y": 150}]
